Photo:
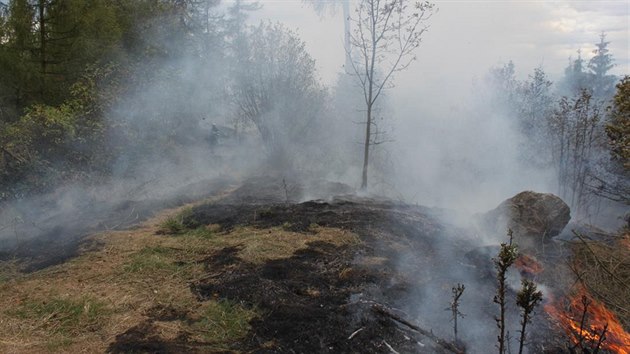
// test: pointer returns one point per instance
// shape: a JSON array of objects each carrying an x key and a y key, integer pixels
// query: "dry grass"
[
  {"x": 259, "y": 246},
  {"x": 605, "y": 271},
  {"x": 82, "y": 305}
]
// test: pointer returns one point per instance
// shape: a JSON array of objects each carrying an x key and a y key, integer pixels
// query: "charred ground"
[{"x": 258, "y": 270}]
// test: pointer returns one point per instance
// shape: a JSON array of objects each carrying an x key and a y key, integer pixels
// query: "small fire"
[
  {"x": 528, "y": 265},
  {"x": 569, "y": 317}
]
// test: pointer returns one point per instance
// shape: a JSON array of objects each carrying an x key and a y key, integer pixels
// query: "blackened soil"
[
  {"x": 41, "y": 241},
  {"x": 323, "y": 298},
  {"x": 365, "y": 216},
  {"x": 313, "y": 302}
]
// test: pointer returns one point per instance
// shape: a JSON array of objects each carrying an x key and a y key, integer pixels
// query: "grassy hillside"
[{"x": 140, "y": 280}]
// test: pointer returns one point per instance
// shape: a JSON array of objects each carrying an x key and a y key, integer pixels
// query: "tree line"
[
  {"x": 90, "y": 89},
  {"x": 578, "y": 126}
]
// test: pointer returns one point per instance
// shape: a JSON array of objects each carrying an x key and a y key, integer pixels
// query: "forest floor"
[{"x": 267, "y": 275}]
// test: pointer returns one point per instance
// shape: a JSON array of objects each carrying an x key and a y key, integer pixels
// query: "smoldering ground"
[{"x": 465, "y": 159}]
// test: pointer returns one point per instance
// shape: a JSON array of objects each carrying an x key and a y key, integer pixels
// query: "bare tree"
[
  {"x": 578, "y": 139},
  {"x": 384, "y": 39},
  {"x": 458, "y": 291}
]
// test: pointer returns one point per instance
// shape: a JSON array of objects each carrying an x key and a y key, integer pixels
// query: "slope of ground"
[
  {"x": 257, "y": 271},
  {"x": 261, "y": 276},
  {"x": 48, "y": 230},
  {"x": 133, "y": 292}
]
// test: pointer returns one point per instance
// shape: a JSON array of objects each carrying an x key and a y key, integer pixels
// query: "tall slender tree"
[
  {"x": 577, "y": 134},
  {"x": 535, "y": 107},
  {"x": 387, "y": 32}
]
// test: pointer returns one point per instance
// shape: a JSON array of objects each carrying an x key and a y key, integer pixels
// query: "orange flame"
[
  {"x": 616, "y": 340},
  {"x": 528, "y": 264}
]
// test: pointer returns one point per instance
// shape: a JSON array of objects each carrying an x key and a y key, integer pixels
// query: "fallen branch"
[
  {"x": 390, "y": 347},
  {"x": 439, "y": 341}
]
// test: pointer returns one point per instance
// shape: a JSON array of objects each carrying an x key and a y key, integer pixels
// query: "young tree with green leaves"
[
  {"x": 508, "y": 253},
  {"x": 527, "y": 298},
  {"x": 618, "y": 128},
  {"x": 614, "y": 182}
]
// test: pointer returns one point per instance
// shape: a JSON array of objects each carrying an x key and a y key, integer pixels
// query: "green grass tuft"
[
  {"x": 201, "y": 232},
  {"x": 172, "y": 226},
  {"x": 224, "y": 321},
  {"x": 178, "y": 224},
  {"x": 151, "y": 259}
]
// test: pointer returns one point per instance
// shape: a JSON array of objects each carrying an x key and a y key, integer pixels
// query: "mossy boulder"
[{"x": 533, "y": 217}]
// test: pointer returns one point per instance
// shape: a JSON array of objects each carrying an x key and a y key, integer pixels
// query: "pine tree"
[
  {"x": 575, "y": 77},
  {"x": 603, "y": 84}
]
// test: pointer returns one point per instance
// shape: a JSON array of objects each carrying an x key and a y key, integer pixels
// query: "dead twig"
[
  {"x": 458, "y": 291},
  {"x": 355, "y": 333},
  {"x": 580, "y": 335},
  {"x": 601, "y": 339},
  {"x": 390, "y": 347}
]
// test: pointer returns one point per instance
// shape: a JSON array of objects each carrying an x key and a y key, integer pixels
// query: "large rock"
[{"x": 534, "y": 218}]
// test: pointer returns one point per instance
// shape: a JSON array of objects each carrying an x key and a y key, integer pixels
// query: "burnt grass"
[
  {"x": 324, "y": 298},
  {"x": 362, "y": 297},
  {"x": 315, "y": 300}
]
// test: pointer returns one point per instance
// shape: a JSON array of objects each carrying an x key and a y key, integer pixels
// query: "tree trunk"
[
  {"x": 366, "y": 148},
  {"x": 521, "y": 342},
  {"x": 369, "y": 100},
  {"x": 42, "y": 47}
]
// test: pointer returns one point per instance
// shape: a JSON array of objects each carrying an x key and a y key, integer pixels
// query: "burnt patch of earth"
[
  {"x": 313, "y": 302},
  {"x": 386, "y": 292},
  {"x": 366, "y": 216},
  {"x": 325, "y": 298},
  {"x": 144, "y": 338}
]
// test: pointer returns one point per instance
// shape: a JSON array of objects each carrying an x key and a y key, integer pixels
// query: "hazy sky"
[{"x": 467, "y": 37}]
